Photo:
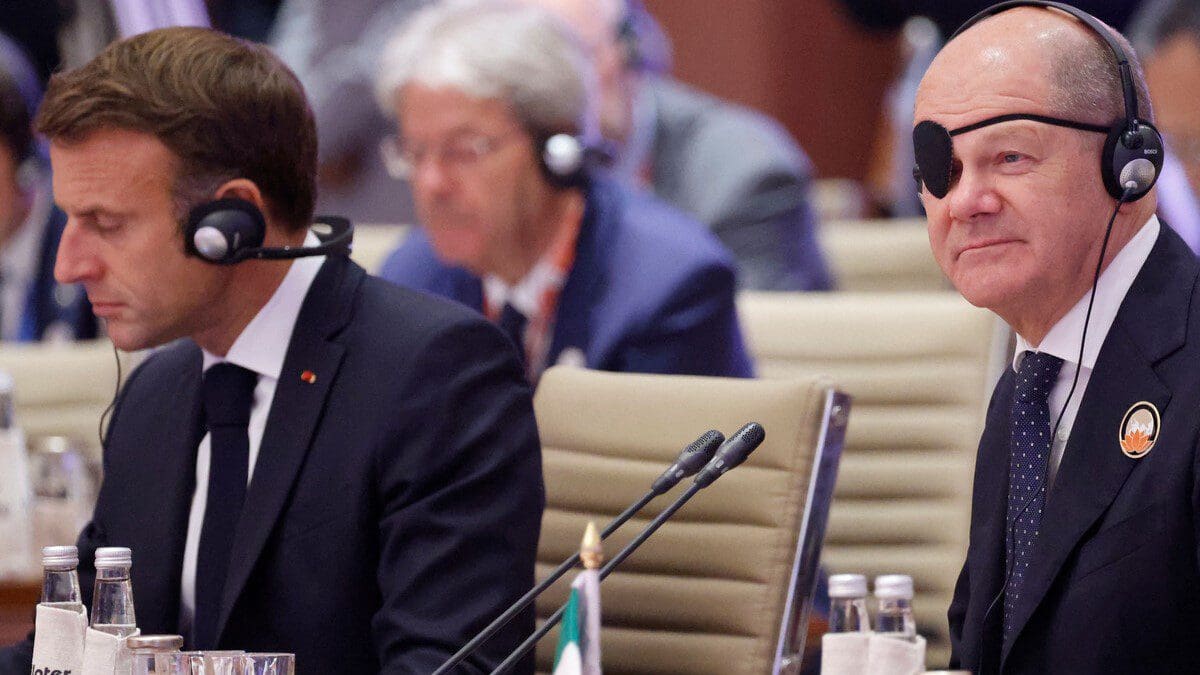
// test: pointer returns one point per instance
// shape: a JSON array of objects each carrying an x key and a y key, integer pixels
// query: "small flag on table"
[{"x": 578, "y": 650}]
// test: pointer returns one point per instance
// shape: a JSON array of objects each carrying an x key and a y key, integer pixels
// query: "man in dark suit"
[
  {"x": 319, "y": 462},
  {"x": 1083, "y": 554},
  {"x": 576, "y": 267}
]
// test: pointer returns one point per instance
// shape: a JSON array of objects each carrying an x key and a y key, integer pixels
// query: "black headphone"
[
  {"x": 228, "y": 231},
  {"x": 1133, "y": 151}
]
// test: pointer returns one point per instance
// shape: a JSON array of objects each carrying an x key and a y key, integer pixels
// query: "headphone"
[
  {"x": 228, "y": 231},
  {"x": 1133, "y": 151},
  {"x": 565, "y": 159}
]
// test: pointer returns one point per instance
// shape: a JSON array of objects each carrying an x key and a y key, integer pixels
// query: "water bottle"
[
  {"x": 17, "y": 559},
  {"x": 895, "y": 617},
  {"x": 60, "y": 578},
  {"x": 848, "y": 604},
  {"x": 112, "y": 604}
]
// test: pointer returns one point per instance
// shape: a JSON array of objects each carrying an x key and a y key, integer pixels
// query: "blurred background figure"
[
  {"x": 334, "y": 49},
  {"x": 32, "y": 305},
  {"x": 736, "y": 170},
  {"x": 496, "y": 112},
  {"x": 1166, "y": 34}
]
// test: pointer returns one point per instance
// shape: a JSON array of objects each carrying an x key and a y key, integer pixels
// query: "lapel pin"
[
  {"x": 1139, "y": 429},
  {"x": 308, "y": 377}
]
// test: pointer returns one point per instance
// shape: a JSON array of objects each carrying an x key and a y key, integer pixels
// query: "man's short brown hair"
[{"x": 225, "y": 107}]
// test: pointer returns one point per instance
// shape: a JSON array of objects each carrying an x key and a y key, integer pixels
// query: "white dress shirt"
[
  {"x": 1063, "y": 338},
  {"x": 261, "y": 347}
]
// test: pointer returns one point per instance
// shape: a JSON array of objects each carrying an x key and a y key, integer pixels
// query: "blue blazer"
[
  {"x": 48, "y": 303},
  {"x": 651, "y": 291},
  {"x": 395, "y": 505},
  {"x": 1114, "y": 584}
]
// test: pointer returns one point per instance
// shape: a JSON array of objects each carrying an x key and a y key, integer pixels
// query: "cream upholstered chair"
[
  {"x": 372, "y": 244},
  {"x": 881, "y": 255},
  {"x": 919, "y": 366},
  {"x": 710, "y": 591},
  {"x": 61, "y": 389}
]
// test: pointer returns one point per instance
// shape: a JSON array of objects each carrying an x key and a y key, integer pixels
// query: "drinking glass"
[{"x": 267, "y": 664}]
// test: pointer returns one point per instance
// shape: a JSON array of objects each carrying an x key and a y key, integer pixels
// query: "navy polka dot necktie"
[{"x": 1029, "y": 454}]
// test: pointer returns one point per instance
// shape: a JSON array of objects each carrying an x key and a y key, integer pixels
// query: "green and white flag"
[{"x": 579, "y": 642}]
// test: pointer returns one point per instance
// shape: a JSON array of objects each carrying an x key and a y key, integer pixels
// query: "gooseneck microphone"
[
  {"x": 691, "y": 459},
  {"x": 732, "y": 453}
]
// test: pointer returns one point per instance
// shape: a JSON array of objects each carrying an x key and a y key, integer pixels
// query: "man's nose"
[
  {"x": 77, "y": 260},
  {"x": 971, "y": 196}
]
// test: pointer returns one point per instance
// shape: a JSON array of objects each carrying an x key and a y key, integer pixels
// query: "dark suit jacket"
[
  {"x": 396, "y": 501},
  {"x": 49, "y": 303},
  {"x": 1114, "y": 583},
  {"x": 651, "y": 291},
  {"x": 743, "y": 175}
]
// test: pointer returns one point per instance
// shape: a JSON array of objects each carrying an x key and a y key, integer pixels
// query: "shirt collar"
[
  {"x": 547, "y": 277},
  {"x": 1063, "y": 338},
  {"x": 263, "y": 343}
]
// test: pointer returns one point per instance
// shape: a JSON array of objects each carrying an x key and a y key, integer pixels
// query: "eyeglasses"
[{"x": 460, "y": 153}]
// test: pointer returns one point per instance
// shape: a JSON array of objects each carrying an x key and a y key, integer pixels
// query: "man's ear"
[{"x": 242, "y": 188}]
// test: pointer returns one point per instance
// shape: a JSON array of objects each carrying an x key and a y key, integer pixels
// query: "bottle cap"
[
  {"x": 894, "y": 587},
  {"x": 155, "y": 643},
  {"x": 847, "y": 586},
  {"x": 60, "y": 557},
  {"x": 114, "y": 556}
]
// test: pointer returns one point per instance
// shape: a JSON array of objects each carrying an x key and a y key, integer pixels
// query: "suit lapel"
[
  {"x": 170, "y": 481},
  {"x": 1150, "y": 325},
  {"x": 295, "y": 413},
  {"x": 573, "y": 315}
]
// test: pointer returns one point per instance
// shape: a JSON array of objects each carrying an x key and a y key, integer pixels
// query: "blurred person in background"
[
  {"x": 495, "y": 109},
  {"x": 736, "y": 170},
  {"x": 1167, "y": 36},
  {"x": 33, "y": 306}
]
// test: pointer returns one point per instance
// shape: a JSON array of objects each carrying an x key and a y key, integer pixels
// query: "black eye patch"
[
  {"x": 935, "y": 155},
  {"x": 933, "y": 146}
]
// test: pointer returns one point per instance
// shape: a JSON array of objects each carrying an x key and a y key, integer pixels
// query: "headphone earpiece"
[
  {"x": 219, "y": 231},
  {"x": 1131, "y": 156},
  {"x": 563, "y": 158}
]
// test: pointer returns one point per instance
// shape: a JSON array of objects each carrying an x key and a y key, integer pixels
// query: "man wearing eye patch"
[{"x": 1036, "y": 158}]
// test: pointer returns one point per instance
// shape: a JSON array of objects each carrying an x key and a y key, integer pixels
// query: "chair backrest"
[
  {"x": 61, "y": 389},
  {"x": 918, "y": 367},
  {"x": 709, "y": 592},
  {"x": 372, "y": 244},
  {"x": 881, "y": 255}
]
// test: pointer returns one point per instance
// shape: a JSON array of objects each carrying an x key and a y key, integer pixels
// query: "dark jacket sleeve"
[
  {"x": 696, "y": 332},
  {"x": 461, "y": 497}
]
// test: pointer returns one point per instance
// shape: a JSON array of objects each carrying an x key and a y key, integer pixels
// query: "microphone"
[
  {"x": 687, "y": 463},
  {"x": 731, "y": 453}
]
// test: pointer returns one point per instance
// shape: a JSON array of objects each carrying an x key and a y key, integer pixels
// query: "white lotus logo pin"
[{"x": 1139, "y": 429}]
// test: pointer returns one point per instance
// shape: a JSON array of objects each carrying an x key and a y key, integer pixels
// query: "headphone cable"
[{"x": 1062, "y": 411}]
